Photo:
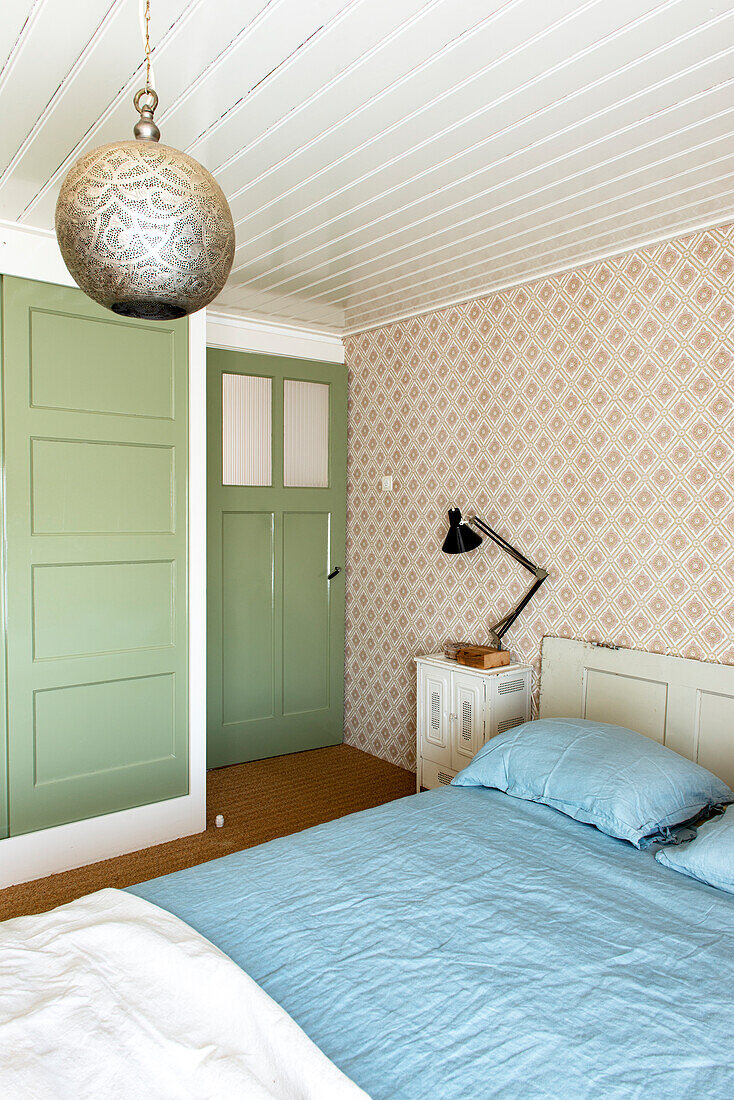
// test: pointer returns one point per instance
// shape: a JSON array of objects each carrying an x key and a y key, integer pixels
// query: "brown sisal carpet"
[{"x": 260, "y": 801}]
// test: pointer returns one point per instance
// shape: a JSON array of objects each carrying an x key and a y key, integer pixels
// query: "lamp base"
[{"x": 481, "y": 656}]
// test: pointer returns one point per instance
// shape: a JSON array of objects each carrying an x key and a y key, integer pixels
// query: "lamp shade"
[
  {"x": 143, "y": 228},
  {"x": 460, "y": 538}
]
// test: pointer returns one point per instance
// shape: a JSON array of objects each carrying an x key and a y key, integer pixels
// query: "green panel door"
[
  {"x": 277, "y": 508},
  {"x": 96, "y": 456}
]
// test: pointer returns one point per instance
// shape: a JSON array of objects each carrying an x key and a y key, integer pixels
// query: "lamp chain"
[{"x": 147, "y": 46}]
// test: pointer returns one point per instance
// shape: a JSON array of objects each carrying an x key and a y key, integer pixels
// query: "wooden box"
[{"x": 482, "y": 656}]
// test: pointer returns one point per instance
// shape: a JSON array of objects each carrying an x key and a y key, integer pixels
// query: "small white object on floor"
[{"x": 219, "y": 820}]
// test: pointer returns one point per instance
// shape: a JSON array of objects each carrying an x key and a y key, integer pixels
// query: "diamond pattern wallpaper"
[{"x": 589, "y": 418}]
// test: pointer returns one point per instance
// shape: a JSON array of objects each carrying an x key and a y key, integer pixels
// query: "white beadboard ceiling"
[{"x": 383, "y": 157}]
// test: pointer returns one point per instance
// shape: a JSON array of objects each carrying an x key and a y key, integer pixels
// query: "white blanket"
[{"x": 111, "y": 997}]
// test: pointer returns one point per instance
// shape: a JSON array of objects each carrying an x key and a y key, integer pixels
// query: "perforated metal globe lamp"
[{"x": 144, "y": 229}]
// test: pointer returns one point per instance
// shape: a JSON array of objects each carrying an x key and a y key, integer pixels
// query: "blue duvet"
[{"x": 462, "y": 944}]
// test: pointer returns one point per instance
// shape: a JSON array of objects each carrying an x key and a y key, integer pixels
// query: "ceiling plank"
[
  {"x": 622, "y": 238},
  {"x": 389, "y": 156},
  {"x": 569, "y": 138},
  {"x": 670, "y": 191},
  {"x": 377, "y": 48},
  {"x": 590, "y": 98},
  {"x": 496, "y": 216},
  {"x": 187, "y": 42},
  {"x": 26, "y": 86},
  {"x": 14, "y": 23},
  {"x": 424, "y": 101}
]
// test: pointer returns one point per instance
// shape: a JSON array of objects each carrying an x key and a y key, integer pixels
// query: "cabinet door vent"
[
  {"x": 435, "y": 711},
  {"x": 444, "y": 778},
  {"x": 508, "y": 724},
  {"x": 466, "y": 722},
  {"x": 506, "y": 686}
]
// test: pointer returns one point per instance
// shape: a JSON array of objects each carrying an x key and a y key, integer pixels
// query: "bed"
[{"x": 462, "y": 943}]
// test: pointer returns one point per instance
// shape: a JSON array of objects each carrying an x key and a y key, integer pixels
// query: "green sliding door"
[
  {"x": 95, "y": 415},
  {"x": 277, "y": 506}
]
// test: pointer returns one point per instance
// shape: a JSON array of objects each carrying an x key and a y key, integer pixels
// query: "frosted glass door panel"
[
  {"x": 305, "y": 434},
  {"x": 246, "y": 430}
]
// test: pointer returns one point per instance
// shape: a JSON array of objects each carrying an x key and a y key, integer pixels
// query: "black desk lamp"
[{"x": 461, "y": 538}]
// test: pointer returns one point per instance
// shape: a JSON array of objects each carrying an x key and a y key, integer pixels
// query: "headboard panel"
[{"x": 687, "y": 705}]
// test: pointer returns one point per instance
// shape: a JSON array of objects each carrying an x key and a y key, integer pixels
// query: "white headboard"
[{"x": 687, "y": 705}]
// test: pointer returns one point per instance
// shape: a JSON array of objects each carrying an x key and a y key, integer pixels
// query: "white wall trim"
[
  {"x": 223, "y": 330},
  {"x": 32, "y": 254},
  {"x": 196, "y": 811}
]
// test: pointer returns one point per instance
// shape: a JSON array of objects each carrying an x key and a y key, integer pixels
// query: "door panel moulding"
[{"x": 34, "y": 254}]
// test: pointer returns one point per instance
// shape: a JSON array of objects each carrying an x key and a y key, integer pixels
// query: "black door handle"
[{"x": 334, "y": 573}]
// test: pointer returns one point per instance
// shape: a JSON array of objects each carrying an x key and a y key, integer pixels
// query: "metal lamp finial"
[{"x": 145, "y": 128}]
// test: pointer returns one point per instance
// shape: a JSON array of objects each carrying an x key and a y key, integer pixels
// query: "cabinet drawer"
[{"x": 435, "y": 775}]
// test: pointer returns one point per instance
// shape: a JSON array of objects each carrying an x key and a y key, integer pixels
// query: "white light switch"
[{"x": 387, "y": 483}]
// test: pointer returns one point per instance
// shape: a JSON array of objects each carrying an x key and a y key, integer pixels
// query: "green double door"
[
  {"x": 276, "y": 542},
  {"x": 94, "y": 548}
]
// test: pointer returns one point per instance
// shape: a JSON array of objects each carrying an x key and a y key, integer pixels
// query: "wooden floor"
[{"x": 259, "y": 801}]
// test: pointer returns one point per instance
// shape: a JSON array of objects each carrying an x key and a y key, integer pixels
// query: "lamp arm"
[
  {"x": 539, "y": 574},
  {"x": 504, "y": 624},
  {"x": 484, "y": 527}
]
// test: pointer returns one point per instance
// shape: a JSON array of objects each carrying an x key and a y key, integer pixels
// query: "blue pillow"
[
  {"x": 709, "y": 857},
  {"x": 624, "y": 783}
]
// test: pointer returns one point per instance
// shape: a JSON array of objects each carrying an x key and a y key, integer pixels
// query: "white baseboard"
[{"x": 49, "y": 851}]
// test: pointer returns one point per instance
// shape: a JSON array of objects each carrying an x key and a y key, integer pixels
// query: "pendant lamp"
[{"x": 143, "y": 228}]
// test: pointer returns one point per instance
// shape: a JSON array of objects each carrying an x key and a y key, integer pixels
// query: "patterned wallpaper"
[{"x": 589, "y": 417}]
